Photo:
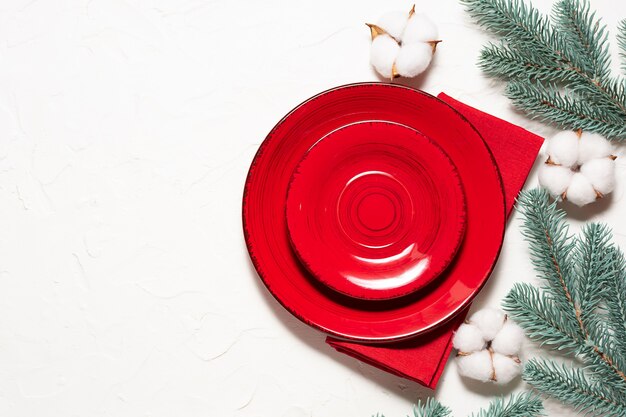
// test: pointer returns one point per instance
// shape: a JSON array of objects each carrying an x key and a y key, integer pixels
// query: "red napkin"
[{"x": 422, "y": 359}]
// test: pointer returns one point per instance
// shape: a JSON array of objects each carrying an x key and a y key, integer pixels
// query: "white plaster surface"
[{"x": 126, "y": 131}]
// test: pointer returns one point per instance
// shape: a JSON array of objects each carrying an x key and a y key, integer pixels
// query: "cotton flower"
[
  {"x": 580, "y": 167},
  {"x": 487, "y": 346},
  {"x": 402, "y": 44}
]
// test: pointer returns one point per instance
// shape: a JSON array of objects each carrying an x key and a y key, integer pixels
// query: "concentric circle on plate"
[
  {"x": 265, "y": 226},
  {"x": 375, "y": 210}
]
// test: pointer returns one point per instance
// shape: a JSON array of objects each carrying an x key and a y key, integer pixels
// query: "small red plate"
[
  {"x": 265, "y": 227},
  {"x": 375, "y": 210}
]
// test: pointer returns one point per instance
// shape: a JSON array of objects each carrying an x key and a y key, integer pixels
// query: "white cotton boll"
[
  {"x": 563, "y": 148},
  {"x": 393, "y": 23},
  {"x": 420, "y": 29},
  {"x": 476, "y": 366},
  {"x": 600, "y": 173},
  {"x": 468, "y": 338},
  {"x": 383, "y": 53},
  {"x": 489, "y": 321},
  {"x": 555, "y": 178},
  {"x": 509, "y": 339},
  {"x": 506, "y": 368},
  {"x": 413, "y": 59},
  {"x": 592, "y": 146},
  {"x": 580, "y": 190}
]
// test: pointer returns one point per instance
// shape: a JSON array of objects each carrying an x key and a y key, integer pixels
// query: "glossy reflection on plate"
[{"x": 375, "y": 210}]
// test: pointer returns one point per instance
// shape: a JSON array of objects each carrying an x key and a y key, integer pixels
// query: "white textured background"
[{"x": 126, "y": 131}]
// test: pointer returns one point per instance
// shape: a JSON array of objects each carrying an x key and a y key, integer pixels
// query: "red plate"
[
  {"x": 375, "y": 210},
  {"x": 290, "y": 282}
]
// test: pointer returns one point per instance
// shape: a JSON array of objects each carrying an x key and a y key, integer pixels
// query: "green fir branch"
[
  {"x": 593, "y": 261},
  {"x": 602, "y": 362},
  {"x": 501, "y": 61},
  {"x": 516, "y": 21},
  {"x": 521, "y": 405},
  {"x": 569, "y": 54},
  {"x": 548, "y": 104},
  {"x": 535, "y": 313},
  {"x": 585, "y": 317},
  {"x": 571, "y": 386},
  {"x": 589, "y": 37},
  {"x": 580, "y": 28},
  {"x": 431, "y": 408},
  {"x": 550, "y": 252},
  {"x": 595, "y": 257}
]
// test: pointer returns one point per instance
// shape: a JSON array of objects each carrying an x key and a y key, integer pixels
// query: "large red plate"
[{"x": 265, "y": 227}]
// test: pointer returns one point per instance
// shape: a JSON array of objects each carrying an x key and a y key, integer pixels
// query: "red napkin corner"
[{"x": 423, "y": 358}]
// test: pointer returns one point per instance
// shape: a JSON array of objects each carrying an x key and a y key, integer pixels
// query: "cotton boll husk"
[
  {"x": 509, "y": 339},
  {"x": 413, "y": 59},
  {"x": 468, "y": 338},
  {"x": 600, "y": 173},
  {"x": 592, "y": 146},
  {"x": 383, "y": 54},
  {"x": 555, "y": 178},
  {"x": 580, "y": 190},
  {"x": 419, "y": 29},
  {"x": 489, "y": 321},
  {"x": 506, "y": 368},
  {"x": 563, "y": 148},
  {"x": 475, "y": 366},
  {"x": 394, "y": 23}
]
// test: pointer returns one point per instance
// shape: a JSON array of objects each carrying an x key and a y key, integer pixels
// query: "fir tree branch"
[
  {"x": 573, "y": 54},
  {"x": 579, "y": 26},
  {"x": 535, "y": 314},
  {"x": 516, "y": 21},
  {"x": 601, "y": 360},
  {"x": 523, "y": 25},
  {"x": 431, "y": 408},
  {"x": 596, "y": 260},
  {"x": 571, "y": 386},
  {"x": 549, "y": 105},
  {"x": 522, "y": 405},
  {"x": 589, "y": 37},
  {"x": 592, "y": 269},
  {"x": 550, "y": 248},
  {"x": 550, "y": 245},
  {"x": 503, "y": 62}
]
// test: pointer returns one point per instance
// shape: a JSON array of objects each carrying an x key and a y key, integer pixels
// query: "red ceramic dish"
[
  {"x": 375, "y": 210},
  {"x": 289, "y": 281}
]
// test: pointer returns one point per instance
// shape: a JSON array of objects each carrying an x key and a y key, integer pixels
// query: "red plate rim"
[{"x": 372, "y": 338}]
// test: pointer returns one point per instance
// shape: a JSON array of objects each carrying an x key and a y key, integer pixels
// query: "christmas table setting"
[{"x": 333, "y": 209}]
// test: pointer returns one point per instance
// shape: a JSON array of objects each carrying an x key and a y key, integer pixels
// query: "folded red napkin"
[{"x": 423, "y": 358}]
